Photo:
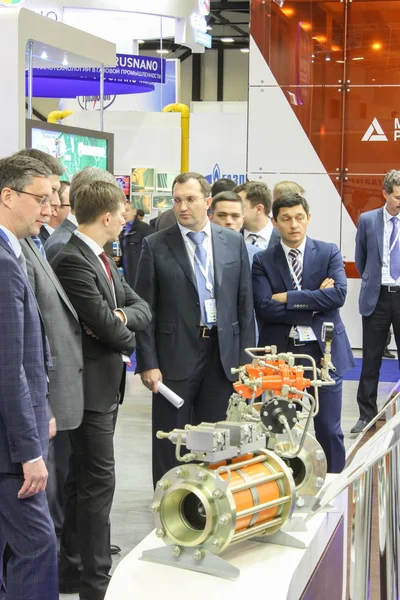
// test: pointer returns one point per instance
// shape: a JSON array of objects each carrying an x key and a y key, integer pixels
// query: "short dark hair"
[
  {"x": 63, "y": 187},
  {"x": 287, "y": 201},
  {"x": 222, "y": 185},
  {"x": 51, "y": 163},
  {"x": 17, "y": 171},
  {"x": 95, "y": 199},
  {"x": 185, "y": 177},
  {"x": 256, "y": 192},
  {"x": 226, "y": 197},
  {"x": 392, "y": 178},
  {"x": 140, "y": 212}
]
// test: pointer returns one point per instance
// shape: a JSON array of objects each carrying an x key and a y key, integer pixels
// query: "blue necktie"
[
  {"x": 39, "y": 245},
  {"x": 197, "y": 238},
  {"x": 394, "y": 250}
]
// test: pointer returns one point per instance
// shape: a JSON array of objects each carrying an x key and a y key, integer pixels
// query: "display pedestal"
[{"x": 281, "y": 572}]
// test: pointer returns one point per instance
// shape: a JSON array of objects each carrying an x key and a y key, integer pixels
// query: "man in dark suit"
[
  {"x": 298, "y": 284},
  {"x": 196, "y": 278},
  {"x": 258, "y": 228},
  {"x": 25, "y": 523},
  {"x": 378, "y": 263},
  {"x": 131, "y": 238},
  {"x": 109, "y": 312}
]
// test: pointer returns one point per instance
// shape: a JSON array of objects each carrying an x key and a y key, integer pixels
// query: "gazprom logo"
[
  {"x": 217, "y": 174},
  {"x": 11, "y": 2}
]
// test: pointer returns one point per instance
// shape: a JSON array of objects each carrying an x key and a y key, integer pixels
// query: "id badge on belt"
[{"x": 211, "y": 310}]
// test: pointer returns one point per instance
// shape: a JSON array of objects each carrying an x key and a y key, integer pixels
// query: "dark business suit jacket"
[
  {"x": 104, "y": 336},
  {"x": 24, "y": 417},
  {"x": 43, "y": 234},
  {"x": 369, "y": 258},
  {"x": 309, "y": 306},
  {"x": 63, "y": 331},
  {"x": 131, "y": 246},
  {"x": 58, "y": 239},
  {"x": 167, "y": 281},
  {"x": 274, "y": 239}
]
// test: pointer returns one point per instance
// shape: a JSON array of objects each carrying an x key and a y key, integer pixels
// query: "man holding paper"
[
  {"x": 196, "y": 277},
  {"x": 298, "y": 284}
]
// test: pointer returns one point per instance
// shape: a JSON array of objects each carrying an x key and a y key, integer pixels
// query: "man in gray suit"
[
  {"x": 66, "y": 374},
  {"x": 378, "y": 263},
  {"x": 257, "y": 202},
  {"x": 196, "y": 277}
]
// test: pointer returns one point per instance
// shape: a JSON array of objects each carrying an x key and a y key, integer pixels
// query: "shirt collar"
[
  {"x": 264, "y": 233},
  {"x": 387, "y": 216},
  {"x": 185, "y": 230},
  {"x": 302, "y": 247},
  {"x": 49, "y": 228},
  {"x": 14, "y": 242},
  {"x": 91, "y": 243},
  {"x": 72, "y": 218}
]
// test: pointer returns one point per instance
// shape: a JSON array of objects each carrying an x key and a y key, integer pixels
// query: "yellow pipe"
[
  {"x": 185, "y": 121},
  {"x": 58, "y": 115}
]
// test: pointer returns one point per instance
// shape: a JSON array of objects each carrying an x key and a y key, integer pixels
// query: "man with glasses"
[
  {"x": 63, "y": 330},
  {"x": 25, "y": 523},
  {"x": 60, "y": 209},
  {"x": 196, "y": 277}
]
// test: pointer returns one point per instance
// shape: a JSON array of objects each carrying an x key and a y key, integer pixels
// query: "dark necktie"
[
  {"x": 296, "y": 266},
  {"x": 197, "y": 238},
  {"x": 104, "y": 259},
  {"x": 254, "y": 238},
  {"x": 394, "y": 248},
  {"x": 39, "y": 245}
]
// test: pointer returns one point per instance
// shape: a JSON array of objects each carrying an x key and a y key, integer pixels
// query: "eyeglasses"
[
  {"x": 189, "y": 201},
  {"x": 42, "y": 200},
  {"x": 62, "y": 205}
]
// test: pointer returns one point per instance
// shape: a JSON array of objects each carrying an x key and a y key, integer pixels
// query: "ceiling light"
[
  {"x": 328, "y": 58},
  {"x": 140, "y": 41},
  {"x": 288, "y": 12},
  {"x": 44, "y": 55},
  {"x": 321, "y": 39},
  {"x": 306, "y": 26},
  {"x": 245, "y": 50},
  {"x": 376, "y": 46},
  {"x": 208, "y": 27},
  {"x": 335, "y": 48},
  {"x": 358, "y": 58},
  {"x": 340, "y": 61},
  {"x": 162, "y": 51},
  {"x": 65, "y": 62},
  {"x": 227, "y": 40}
]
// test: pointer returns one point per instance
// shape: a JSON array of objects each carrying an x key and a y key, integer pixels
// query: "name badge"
[
  {"x": 211, "y": 310},
  {"x": 306, "y": 334}
]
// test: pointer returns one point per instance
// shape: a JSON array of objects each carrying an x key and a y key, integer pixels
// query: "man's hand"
[
  {"x": 120, "y": 315},
  {"x": 35, "y": 476},
  {"x": 151, "y": 378},
  {"x": 282, "y": 297},
  {"x": 327, "y": 283},
  {"x": 52, "y": 428}
]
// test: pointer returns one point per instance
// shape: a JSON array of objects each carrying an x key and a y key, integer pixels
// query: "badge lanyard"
[{"x": 204, "y": 272}]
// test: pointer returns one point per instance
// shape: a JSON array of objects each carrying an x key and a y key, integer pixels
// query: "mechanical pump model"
[{"x": 243, "y": 477}]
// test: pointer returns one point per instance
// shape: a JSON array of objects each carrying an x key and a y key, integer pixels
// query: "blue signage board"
[{"x": 130, "y": 68}]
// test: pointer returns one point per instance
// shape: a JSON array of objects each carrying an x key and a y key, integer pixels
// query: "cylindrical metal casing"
[{"x": 214, "y": 506}]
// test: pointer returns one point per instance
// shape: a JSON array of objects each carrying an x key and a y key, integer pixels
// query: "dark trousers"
[
  {"x": 375, "y": 331},
  {"x": 58, "y": 467},
  {"x": 28, "y": 531},
  {"x": 206, "y": 394},
  {"x": 85, "y": 541},
  {"x": 327, "y": 423}
]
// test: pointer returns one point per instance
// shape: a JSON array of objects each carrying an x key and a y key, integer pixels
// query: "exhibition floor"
[{"x": 131, "y": 518}]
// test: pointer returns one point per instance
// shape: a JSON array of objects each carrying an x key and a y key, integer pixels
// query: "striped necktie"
[
  {"x": 297, "y": 274},
  {"x": 39, "y": 245}
]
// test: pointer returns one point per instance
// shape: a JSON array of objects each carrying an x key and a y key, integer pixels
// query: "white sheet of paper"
[{"x": 176, "y": 400}]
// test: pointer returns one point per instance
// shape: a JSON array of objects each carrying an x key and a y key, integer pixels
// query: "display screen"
[{"x": 75, "y": 152}]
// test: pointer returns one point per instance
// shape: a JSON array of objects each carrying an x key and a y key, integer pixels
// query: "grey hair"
[
  {"x": 392, "y": 178},
  {"x": 17, "y": 172},
  {"x": 87, "y": 176},
  {"x": 51, "y": 163}
]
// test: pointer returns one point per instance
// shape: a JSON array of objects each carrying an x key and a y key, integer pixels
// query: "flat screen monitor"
[{"x": 74, "y": 147}]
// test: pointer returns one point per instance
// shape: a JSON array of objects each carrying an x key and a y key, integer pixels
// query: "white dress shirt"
[
  {"x": 14, "y": 242},
  {"x": 72, "y": 218},
  {"x": 264, "y": 235},
  {"x": 49, "y": 228},
  {"x": 387, "y": 279}
]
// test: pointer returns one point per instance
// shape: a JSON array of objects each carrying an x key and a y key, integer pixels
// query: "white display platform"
[{"x": 281, "y": 572}]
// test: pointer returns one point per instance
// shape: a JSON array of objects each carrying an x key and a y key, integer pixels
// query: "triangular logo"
[{"x": 375, "y": 133}]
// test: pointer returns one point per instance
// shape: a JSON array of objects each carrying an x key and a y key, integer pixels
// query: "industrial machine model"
[{"x": 243, "y": 477}]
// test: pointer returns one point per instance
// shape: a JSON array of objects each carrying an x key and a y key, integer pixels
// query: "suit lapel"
[
  {"x": 51, "y": 275},
  {"x": 94, "y": 261},
  {"x": 219, "y": 252},
  {"x": 177, "y": 247},
  {"x": 379, "y": 228},
  {"x": 283, "y": 266},
  {"x": 308, "y": 264}
]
